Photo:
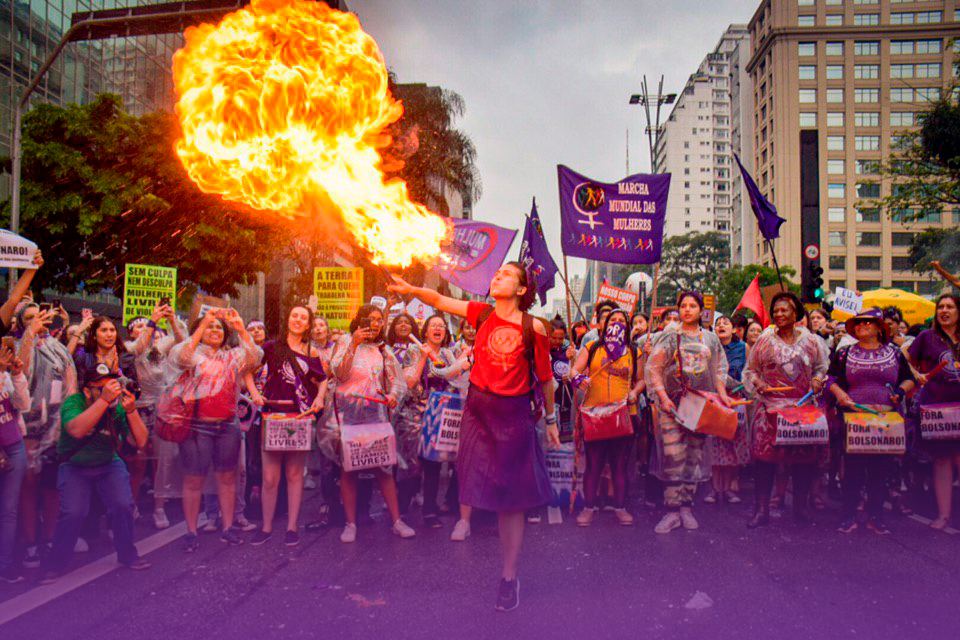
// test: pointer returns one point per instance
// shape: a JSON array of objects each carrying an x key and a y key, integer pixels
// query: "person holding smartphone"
[{"x": 20, "y": 290}]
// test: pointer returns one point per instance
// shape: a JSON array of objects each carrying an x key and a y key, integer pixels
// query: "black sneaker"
[
  {"x": 12, "y": 574},
  {"x": 848, "y": 526},
  {"x": 137, "y": 565},
  {"x": 432, "y": 521},
  {"x": 260, "y": 537},
  {"x": 508, "y": 598},
  {"x": 291, "y": 538},
  {"x": 533, "y": 517},
  {"x": 876, "y": 525},
  {"x": 231, "y": 538},
  {"x": 190, "y": 543},
  {"x": 31, "y": 559}
]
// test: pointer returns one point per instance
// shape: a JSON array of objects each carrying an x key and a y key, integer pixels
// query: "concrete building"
[
  {"x": 695, "y": 143},
  {"x": 834, "y": 83}
]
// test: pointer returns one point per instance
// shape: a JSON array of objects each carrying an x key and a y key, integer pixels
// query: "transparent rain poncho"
[
  {"x": 409, "y": 421},
  {"x": 154, "y": 370},
  {"x": 52, "y": 377},
  {"x": 776, "y": 363},
  {"x": 360, "y": 393}
]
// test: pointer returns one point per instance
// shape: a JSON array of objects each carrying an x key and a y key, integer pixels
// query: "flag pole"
[
  {"x": 775, "y": 264},
  {"x": 566, "y": 284}
]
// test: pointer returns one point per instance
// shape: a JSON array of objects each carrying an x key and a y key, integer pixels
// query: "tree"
[
  {"x": 427, "y": 151},
  {"x": 733, "y": 281},
  {"x": 692, "y": 261},
  {"x": 101, "y": 188}
]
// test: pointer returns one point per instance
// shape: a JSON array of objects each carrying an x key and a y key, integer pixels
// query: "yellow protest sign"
[
  {"x": 144, "y": 285},
  {"x": 339, "y": 292}
]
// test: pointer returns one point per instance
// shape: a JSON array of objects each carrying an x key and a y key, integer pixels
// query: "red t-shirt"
[{"x": 499, "y": 363}]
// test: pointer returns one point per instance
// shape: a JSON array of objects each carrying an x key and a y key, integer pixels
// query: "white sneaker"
[
  {"x": 81, "y": 546},
  {"x": 689, "y": 522},
  {"x": 401, "y": 529},
  {"x": 461, "y": 531},
  {"x": 668, "y": 523},
  {"x": 160, "y": 520},
  {"x": 349, "y": 533}
]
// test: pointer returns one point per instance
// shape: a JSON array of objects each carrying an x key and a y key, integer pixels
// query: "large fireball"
[{"x": 282, "y": 106}]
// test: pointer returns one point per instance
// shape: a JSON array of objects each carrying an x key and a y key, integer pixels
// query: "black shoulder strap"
[{"x": 484, "y": 314}]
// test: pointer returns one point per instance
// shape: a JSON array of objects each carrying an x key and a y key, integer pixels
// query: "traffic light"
[{"x": 814, "y": 292}]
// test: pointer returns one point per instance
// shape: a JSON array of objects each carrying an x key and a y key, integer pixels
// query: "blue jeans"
[
  {"x": 75, "y": 484},
  {"x": 10, "y": 484}
]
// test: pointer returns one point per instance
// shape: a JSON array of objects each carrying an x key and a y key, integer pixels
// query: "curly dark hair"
[{"x": 527, "y": 279}]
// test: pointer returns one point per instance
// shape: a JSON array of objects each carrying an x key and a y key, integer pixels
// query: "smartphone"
[
  {"x": 165, "y": 300},
  {"x": 45, "y": 307},
  {"x": 364, "y": 323},
  {"x": 9, "y": 342},
  {"x": 56, "y": 305}
]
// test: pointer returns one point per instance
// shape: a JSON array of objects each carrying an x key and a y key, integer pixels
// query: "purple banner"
[
  {"x": 620, "y": 222},
  {"x": 477, "y": 251}
]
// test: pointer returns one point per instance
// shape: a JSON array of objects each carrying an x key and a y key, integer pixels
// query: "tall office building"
[
  {"x": 835, "y": 82},
  {"x": 695, "y": 143}
]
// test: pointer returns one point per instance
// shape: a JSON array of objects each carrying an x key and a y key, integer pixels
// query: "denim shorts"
[{"x": 216, "y": 444}]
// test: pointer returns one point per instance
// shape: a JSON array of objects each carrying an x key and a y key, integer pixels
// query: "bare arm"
[
  {"x": 430, "y": 297},
  {"x": 19, "y": 290}
]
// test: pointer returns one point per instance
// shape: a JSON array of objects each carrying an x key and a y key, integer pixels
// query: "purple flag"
[
  {"x": 535, "y": 255},
  {"x": 620, "y": 222},
  {"x": 766, "y": 213},
  {"x": 477, "y": 251}
]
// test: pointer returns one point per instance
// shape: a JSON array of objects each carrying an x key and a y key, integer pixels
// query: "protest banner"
[
  {"x": 478, "y": 249},
  {"x": 847, "y": 301},
  {"x": 144, "y": 285},
  {"x": 367, "y": 446},
  {"x": 801, "y": 425},
  {"x": 870, "y": 433},
  {"x": 940, "y": 422},
  {"x": 287, "y": 432},
  {"x": 339, "y": 292},
  {"x": 619, "y": 222},
  {"x": 16, "y": 252},
  {"x": 560, "y": 465},
  {"x": 440, "y": 436},
  {"x": 623, "y": 298}
]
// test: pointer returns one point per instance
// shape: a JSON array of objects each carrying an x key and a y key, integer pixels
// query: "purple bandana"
[{"x": 615, "y": 340}]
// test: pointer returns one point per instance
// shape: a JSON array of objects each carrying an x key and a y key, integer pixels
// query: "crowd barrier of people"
[{"x": 93, "y": 417}]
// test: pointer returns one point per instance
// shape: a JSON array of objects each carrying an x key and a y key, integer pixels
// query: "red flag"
[{"x": 753, "y": 301}]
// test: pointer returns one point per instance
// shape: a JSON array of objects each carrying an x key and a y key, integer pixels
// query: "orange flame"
[{"x": 283, "y": 105}]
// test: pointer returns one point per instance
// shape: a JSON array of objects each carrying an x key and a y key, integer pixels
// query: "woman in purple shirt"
[
  {"x": 872, "y": 373},
  {"x": 294, "y": 383},
  {"x": 932, "y": 348}
]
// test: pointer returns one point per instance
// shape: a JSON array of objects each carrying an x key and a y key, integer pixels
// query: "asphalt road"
[{"x": 784, "y": 581}]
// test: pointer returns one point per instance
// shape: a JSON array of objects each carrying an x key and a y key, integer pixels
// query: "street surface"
[{"x": 605, "y": 581}]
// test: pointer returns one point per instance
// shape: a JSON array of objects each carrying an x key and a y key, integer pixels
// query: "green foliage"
[
  {"x": 733, "y": 282},
  {"x": 101, "y": 188},
  {"x": 692, "y": 261},
  {"x": 427, "y": 151}
]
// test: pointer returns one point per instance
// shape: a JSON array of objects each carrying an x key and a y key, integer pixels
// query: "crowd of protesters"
[{"x": 90, "y": 417}]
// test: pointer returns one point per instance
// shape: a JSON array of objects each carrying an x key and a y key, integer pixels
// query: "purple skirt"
[{"x": 501, "y": 464}]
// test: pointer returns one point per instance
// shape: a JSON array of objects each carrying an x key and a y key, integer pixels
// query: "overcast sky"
[{"x": 548, "y": 82}]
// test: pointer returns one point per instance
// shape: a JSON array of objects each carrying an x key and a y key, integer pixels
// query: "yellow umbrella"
[{"x": 916, "y": 309}]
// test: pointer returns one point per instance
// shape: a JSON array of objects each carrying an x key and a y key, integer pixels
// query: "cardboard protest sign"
[
  {"x": 368, "y": 446},
  {"x": 202, "y": 304},
  {"x": 869, "y": 433},
  {"x": 801, "y": 425},
  {"x": 287, "y": 432},
  {"x": 419, "y": 311},
  {"x": 940, "y": 422},
  {"x": 560, "y": 465},
  {"x": 339, "y": 292},
  {"x": 847, "y": 301},
  {"x": 440, "y": 436},
  {"x": 623, "y": 298},
  {"x": 16, "y": 252},
  {"x": 144, "y": 285}
]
